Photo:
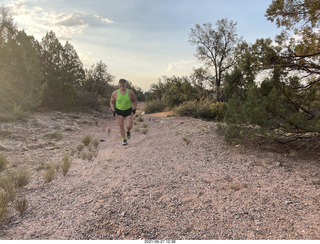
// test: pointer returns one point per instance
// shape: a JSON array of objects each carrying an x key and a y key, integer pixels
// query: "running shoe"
[
  {"x": 124, "y": 142},
  {"x": 128, "y": 134}
]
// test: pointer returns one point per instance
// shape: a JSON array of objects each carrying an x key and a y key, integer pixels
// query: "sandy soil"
[{"x": 176, "y": 179}]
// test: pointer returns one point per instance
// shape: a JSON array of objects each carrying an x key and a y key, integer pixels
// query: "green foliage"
[
  {"x": 217, "y": 110},
  {"x": 178, "y": 90},
  {"x": 266, "y": 110},
  {"x": 47, "y": 74},
  {"x": 154, "y": 106},
  {"x": 201, "y": 109},
  {"x": 21, "y": 79},
  {"x": 215, "y": 48},
  {"x": 96, "y": 89},
  {"x": 59, "y": 93}
]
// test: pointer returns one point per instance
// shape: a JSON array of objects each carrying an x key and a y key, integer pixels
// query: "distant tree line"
[
  {"x": 269, "y": 89},
  {"x": 47, "y": 74}
]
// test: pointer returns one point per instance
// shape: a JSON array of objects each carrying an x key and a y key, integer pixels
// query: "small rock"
[
  {"x": 277, "y": 164},
  {"x": 287, "y": 202}
]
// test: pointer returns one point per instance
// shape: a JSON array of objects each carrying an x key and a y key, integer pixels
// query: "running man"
[{"x": 123, "y": 104}]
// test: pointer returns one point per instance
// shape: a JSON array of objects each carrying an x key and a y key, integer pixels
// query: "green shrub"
[
  {"x": 188, "y": 108},
  {"x": 154, "y": 106},
  {"x": 217, "y": 110},
  {"x": 201, "y": 109},
  {"x": 196, "y": 109},
  {"x": 3, "y": 162}
]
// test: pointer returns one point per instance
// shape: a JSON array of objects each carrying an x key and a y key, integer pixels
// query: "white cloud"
[
  {"x": 180, "y": 65},
  {"x": 37, "y": 21},
  {"x": 106, "y": 20}
]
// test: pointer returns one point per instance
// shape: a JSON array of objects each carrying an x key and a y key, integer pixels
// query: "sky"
[{"x": 139, "y": 40}]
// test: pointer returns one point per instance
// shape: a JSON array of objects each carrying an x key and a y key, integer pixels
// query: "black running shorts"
[{"x": 124, "y": 113}]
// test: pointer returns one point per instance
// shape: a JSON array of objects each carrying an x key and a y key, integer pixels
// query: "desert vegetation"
[{"x": 268, "y": 89}]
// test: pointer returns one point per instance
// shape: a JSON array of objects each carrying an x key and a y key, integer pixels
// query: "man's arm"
[
  {"x": 112, "y": 100},
  {"x": 133, "y": 100}
]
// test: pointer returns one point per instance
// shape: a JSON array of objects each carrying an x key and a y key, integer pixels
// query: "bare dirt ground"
[{"x": 176, "y": 179}]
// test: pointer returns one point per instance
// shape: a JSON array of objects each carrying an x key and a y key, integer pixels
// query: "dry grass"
[
  {"x": 22, "y": 177},
  {"x": 187, "y": 140},
  {"x": 86, "y": 140},
  {"x": 3, "y": 208},
  {"x": 66, "y": 164},
  {"x": 95, "y": 143},
  {"x": 21, "y": 205},
  {"x": 49, "y": 174},
  {"x": 3, "y": 162},
  {"x": 80, "y": 147}
]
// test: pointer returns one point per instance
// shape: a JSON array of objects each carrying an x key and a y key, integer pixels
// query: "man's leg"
[
  {"x": 120, "y": 122},
  {"x": 129, "y": 122}
]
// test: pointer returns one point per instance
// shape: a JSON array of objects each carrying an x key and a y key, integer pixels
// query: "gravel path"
[{"x": 176, "y": 179}]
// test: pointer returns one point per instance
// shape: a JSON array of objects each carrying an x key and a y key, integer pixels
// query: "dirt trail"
[{"x": 176, "y": 179}]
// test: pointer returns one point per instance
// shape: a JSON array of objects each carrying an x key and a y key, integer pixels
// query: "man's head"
[{"x": 122, "y": 83}]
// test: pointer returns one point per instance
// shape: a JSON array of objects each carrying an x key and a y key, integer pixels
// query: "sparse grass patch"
[
  {"x": 145, "y": 125},
  {"x": 86, "y": 140},
  {"x": 3, "y": 208},
  {"x": 3, "y": 162},
  {"x": 49, "y": 174},
  {"x": 95, "y": 143},
  {"x": 21, "y": 205},
  {"x": 21, "y": 177},
  {"x": 83, "y": 155},
  {"x": 66, "y": 164},
  {"x": 55, "y": 136},
  {"x": 187, "y": 140},
  {"x": 90, "y": 156},
  {"x": 80, "y": 147},
  {"x": 91, "y": 145},
  {"x": 141, "y": 119},
  {"x": 41, "y": 166},
  {"x": 144, "y": 131},
  {"x": 7, "y": 191}
]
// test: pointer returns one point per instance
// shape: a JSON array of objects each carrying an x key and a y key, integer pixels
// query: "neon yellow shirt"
[{"x": 123, "y": 102}]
